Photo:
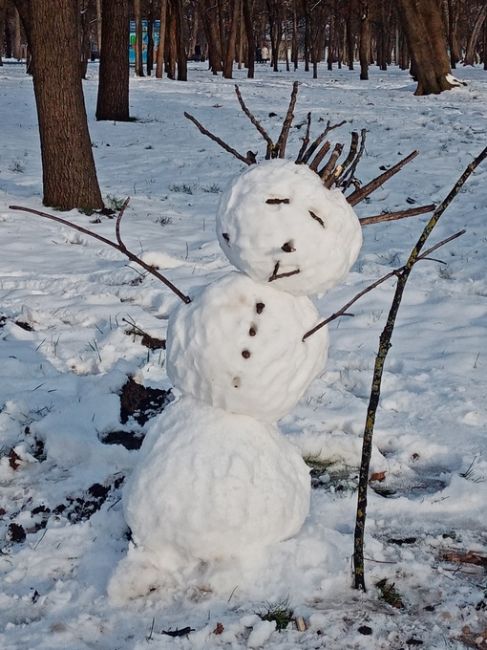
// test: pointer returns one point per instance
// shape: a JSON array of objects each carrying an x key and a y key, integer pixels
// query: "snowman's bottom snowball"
[{"x": 211, "y": 485}]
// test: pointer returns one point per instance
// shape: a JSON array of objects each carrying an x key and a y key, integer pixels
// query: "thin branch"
[
  {"x": 326, "y": 173},
  {"x": 253, "y": 119},
  {"x": 218, "y": 140},
  {"x": 117, "y": 225},
  {"x": 119, "y": 246},
  {"x": 349, "y": 176},
  {"x": 351, "y": 156},
  {"x": 384, "y": 346},
  {"x": 400, "y": 214},
  {"x": 319, "y": 156},
  {"x": 316, "y": 143},
  {"x": 305, "y": 139},
  {"x": 363, "y": 192},
  {"x": 280, "y": 149},
  {"x": 395, "y": 272}
]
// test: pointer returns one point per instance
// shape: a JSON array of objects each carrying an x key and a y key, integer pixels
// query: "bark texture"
[
  {"x": 68, "y": 168},
  {"x": 113, "y": 81}
]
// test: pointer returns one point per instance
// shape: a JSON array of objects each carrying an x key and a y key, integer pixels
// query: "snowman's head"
[{"x": 278, "y": 223}]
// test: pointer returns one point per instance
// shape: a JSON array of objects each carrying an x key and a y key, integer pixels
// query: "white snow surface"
[
  {"x": 213, "y": 485},
  {"x": 280, "y": 213},
  {"x": 60, "y": 381},
  {"x": 238, "y": 346}
]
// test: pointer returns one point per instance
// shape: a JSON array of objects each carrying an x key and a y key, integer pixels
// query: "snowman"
[{"x": 215, "y": 478}]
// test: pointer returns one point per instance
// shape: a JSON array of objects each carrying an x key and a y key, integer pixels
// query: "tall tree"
[
  {"x": 3, "y": 12},
  {"x": 162, "y": 40},
  {"x": 113, "y": 81},
  {"x": 139, "y": 64},
  {"x": 68, "y": 168},
  {"x": 425, "y": 34}
]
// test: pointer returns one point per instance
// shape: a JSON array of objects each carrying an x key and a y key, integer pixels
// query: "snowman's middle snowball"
[{"x": 238, "y": 346}]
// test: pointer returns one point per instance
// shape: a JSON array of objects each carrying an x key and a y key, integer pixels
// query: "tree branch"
[
  {"x": 400, "y": 214},
  {"x": 363, "y": 192},
  {"x": 305, "y": 139},
  {"x": 280, "y": 148},
  {"x": 348, "y": 177},
  {"x": 119, "y": 245},
  {"x": 254, "y": 120},
  {"x": 218, "y": 140},
  {"x": 384, "y": 346}
]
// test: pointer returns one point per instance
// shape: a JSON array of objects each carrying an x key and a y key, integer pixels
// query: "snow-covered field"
[{"x": 69, "y": 316}]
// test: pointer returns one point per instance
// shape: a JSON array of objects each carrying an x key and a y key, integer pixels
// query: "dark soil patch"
[
  {"x": 142, "y": 403},
  {"x": 129, "y": 439}
]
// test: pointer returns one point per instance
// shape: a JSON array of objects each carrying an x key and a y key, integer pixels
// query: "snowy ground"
[{"x": 67, "y": 304}]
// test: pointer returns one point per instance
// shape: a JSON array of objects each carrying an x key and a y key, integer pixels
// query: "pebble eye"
[
  {"x": 259, "y": 307},
  {"x": 245, "y": 354},
  {"x": 288, "y": 247}
]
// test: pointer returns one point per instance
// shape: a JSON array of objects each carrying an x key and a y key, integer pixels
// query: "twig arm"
[
  {"x": 400, "y": 214},
  {"x": 218, "y": 140},
  {"x": 118, "y": 246}
]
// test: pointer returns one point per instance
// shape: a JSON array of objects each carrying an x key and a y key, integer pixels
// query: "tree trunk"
[
  {"x": 249, "y": 30},
  {"x": 150, "y": 40},
  {"x": 3, "y": 13},
  {"x": 364, "y": 48},
  {"x": 162, "y": 41},
  {"x": 171, "y": 42},
  {"x": 350, "y": 34},
  {"x": 113, "y": 81},
  {"x": 98, "y": 26},
  {"x": 453, "y": 33},
  {"x": 180, "y": 40},
  {"x": 68, "y": 168},
  {"x": 306, "y": 35},
  {"x": 139, "y": 63},
  {"x": 474, "y": 36},
  {"x": 231, "y": 40},
  {"x": 294, "y": 40},
  {"x": 424, "y": 29}
]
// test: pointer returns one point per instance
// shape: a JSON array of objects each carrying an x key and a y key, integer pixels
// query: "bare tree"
[
  {"x": 113, "y": 81},
  {"x": 68, "y": 168}
]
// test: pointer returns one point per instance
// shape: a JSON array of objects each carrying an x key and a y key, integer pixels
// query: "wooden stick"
[
  {"x": 395, "y": 272},
  {"x": 305, "y": 139},
  {"x": 351, "y": 156},
  {"x": 119, "y": 245},
  {"x": 400, "y": 214},
  {"x": 316, "y": 143},
  {"x": 253, "y": 119},
  {"x": 117, "y": 225},
  {"x": 319, "y": 156},
  {"x": 384, "y": 346},
  {"x": 218, "y": 140},
  {"x": 327, "y": 172},
  {"x": 363, "y": 192},
  {"x": 349, "y": 176},
  {"x": 280, "y": 149}
]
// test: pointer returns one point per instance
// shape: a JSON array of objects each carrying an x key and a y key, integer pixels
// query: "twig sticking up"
[
  {"x": 384, "y": 346},
  {"x": 280, "y": 149},
  {"x": 316, "y": 143},
  {"x": 396, "y": 272},
  {"x": 350, "y": 158},
  {"x": 319, "y": 156},
  {"x": 118, "y": 245},
  {"x": 305, "y": 139},
  {"x": 348, "y": 178},
  {"x": 400, "y": 214},
  {"x": 363, "y": 192},
  {"x": 255, "y": 122},
  {"x": 327, "y": 173},
  {"x": 245, "y": 159},
  {"x": 117, "y": 225}
]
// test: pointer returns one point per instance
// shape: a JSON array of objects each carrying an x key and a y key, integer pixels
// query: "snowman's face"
[
  {"x": 278, "y": 224},
  {"x": 238, "y": 346}
]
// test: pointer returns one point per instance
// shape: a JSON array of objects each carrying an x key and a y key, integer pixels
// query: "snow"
[
  {"x": 238, "y": 346},
  {"x": 280, "y": 213},
  {"x": 212, "y": 486},
  {"x": 60, "y": 381}
]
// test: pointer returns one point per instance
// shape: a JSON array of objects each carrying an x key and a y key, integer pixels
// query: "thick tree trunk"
[
  {"x": 113, "y": 81},
  {"x": 68, "y": 168},
  {"x": 171, "y": 42},
  {"x": 249, "y": 31},
  {"x": 139, "y": 63},
  {"x": 150, "y": 40},
  {"x": 162, "y": 40},
  {"x": 3, "y": 12},
  {"x": 424, "y": 29},
  {"x": 474, "y": 36},
  {"x": 211, "y": 24},
  {"x": 350, "y": 34},
  {"x": 180, "y": 40},
  {"x": 364, "y": 47},
  {"x": 231, "y": 40},
  {"x": 98, "y": 26},
  {"x": 453, "y": 33}
]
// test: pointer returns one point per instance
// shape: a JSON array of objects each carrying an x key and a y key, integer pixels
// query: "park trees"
[{"x": 68, "y": 168}]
